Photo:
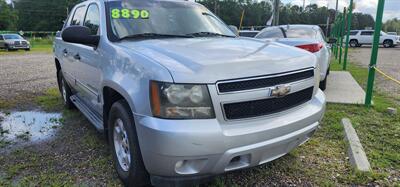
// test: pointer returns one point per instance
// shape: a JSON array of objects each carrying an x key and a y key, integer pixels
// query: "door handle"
[
  {"x": 77, "y": 57},
  {"x": 65, "y": 52}
]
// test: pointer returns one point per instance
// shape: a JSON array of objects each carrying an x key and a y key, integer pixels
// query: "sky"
[{"x": 392, "y": 7}]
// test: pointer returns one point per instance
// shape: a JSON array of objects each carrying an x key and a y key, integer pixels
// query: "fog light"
[{"x": 187, "y": 167}]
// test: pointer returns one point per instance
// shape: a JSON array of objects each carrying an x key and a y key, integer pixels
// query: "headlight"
[{"x": 180, "y": 101}]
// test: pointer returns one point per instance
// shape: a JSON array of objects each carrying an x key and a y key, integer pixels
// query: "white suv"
[{"x": 360, "y": 37}]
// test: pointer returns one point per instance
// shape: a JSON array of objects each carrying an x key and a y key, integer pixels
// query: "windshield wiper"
[
  {"x": 154, "y": 35},
  {"x": 207, "y": 34}
]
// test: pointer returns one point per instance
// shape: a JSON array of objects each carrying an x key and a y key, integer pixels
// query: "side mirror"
[
  {"x": 234, "y": 29},
  {"x": 332, "y": 41},
  {"x": 79, "y": 35}
]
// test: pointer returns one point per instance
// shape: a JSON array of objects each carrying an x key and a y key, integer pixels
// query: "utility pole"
[
  {"x": 276, "y": 12},
  {"x": 374, "y": 53},
  {"x": 215, "y": 7},
  {"x": 342, "y": 34},
  {"x": 304, "y": 5},
  {"x": 336, "y": 9}
]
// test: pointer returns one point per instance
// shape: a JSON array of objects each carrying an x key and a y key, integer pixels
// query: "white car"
[
  {"x": 361, "y": 37},
  {"x": 307, "y": 37}
]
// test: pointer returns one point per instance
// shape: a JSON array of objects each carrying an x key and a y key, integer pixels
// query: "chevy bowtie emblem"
[{"x": 280, "y": 91}]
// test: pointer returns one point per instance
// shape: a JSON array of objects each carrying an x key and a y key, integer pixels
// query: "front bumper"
[
  {"x": 19, "y": 47},
  {"x": 179, "y": 149}
]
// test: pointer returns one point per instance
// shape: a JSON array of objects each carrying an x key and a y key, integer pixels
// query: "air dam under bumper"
[{"x": 179, "y": 149}]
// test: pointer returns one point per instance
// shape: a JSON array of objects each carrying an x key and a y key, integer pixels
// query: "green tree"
[
  {"x": 43, "y": 15},
  {"x": 392, "y": 25},
  {"x": 8, "y": 17}
]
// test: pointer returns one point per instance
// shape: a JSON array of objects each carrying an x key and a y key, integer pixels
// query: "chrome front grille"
[
  {"x": 263, "y": 82},
  {"x": 257, "y": 96}
]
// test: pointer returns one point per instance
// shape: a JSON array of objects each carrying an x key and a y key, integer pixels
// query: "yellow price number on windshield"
[{"x": 125, "y": 13}]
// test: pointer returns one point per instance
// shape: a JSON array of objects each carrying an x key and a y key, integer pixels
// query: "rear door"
[
  {"x": 88, "y": 73},
  {"x": 366, "y": 37}
]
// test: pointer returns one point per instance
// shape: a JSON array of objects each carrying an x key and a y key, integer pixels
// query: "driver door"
[{"x": 88, "y": 72}]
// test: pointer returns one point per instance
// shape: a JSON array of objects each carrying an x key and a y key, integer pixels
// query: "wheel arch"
[
  {"x": 58, "y": 69},
  {"x": 110, "y": 94}
]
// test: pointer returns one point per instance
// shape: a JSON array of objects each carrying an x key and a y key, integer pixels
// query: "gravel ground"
[
  {"x": 388, "y": 62},
  {"x": 26, "y": 74}
]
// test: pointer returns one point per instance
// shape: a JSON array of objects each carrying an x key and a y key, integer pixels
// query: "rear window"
[
  {"x": 301, "y": 33},
  {"x": 271, "y": 33}
]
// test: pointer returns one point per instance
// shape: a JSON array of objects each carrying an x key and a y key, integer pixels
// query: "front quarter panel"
[{"x": 130, "y": 73}]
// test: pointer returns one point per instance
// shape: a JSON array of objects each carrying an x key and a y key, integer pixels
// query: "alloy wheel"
[{"x": 121, "y": 145}]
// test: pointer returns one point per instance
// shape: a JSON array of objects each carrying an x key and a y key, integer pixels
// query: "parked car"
[
  {"x": 13, "y": 42},
  {"x": 361, "y": 37},
  {"x": 179, "y": 96},
  {"x": 308, "y": 37},
  {"x": 248, "y": 33}
]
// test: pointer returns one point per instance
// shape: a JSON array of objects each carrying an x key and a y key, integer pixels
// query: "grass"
[{"x": 50, "y": 101}]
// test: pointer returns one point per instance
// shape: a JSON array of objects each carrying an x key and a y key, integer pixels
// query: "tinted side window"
[
  {"x": 1, "y": 37},
  {"x": 78, "y": 16},
  {"x": 271, "y": 33},
  {"x": 92, "y": 19},
  {"x": 353, "y": 33},
  {"x": 367, "y": 33},
  {"x": 248, "y": 34}
]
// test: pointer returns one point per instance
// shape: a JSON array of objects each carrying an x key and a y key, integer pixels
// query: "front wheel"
[
  {"x": 322, "y": 84},
  {"x": 387, "y": 43},
  {"x": 125, "y": 147}
]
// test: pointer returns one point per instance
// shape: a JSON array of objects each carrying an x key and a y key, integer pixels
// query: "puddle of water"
[{"x": 29, "y": 126}]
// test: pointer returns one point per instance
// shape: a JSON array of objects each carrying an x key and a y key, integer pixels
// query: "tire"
[
  {"x": 65, "y": 91},
  {"x": 322, "y": 84},
  {"x": 353, "y": 43},
  {"x": 123, "y": 138},
  {"x": 28, "y": 49},
  {"x": 387, "y": 43}
]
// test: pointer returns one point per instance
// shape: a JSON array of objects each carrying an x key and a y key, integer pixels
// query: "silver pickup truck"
[{"x": 179, "y": 96}]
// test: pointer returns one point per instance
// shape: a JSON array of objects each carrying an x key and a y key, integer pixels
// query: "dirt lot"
[
  {"x": 79, "y": 155},
  {"x": 388, "y": 61},
  {"x": 26, "y": 75}
]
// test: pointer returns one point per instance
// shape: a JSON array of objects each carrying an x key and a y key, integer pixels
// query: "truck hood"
[{"x": 208, "y": 60}]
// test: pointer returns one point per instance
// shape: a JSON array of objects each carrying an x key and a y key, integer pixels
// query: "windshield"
[
  {"x": 12, "y": 37},
  {"x": 128, "y": 17}
]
